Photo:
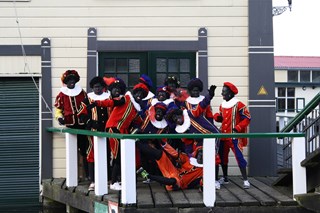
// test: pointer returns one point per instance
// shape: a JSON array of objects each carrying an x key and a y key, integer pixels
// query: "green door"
[
  {"x": 19, "y": 142},
  {"x": 157, "y": 65}
]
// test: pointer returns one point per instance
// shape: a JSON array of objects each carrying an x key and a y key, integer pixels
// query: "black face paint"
[
  {"x": 115, "y": 92},
  {"x": 162, "y": 96},
  {"x": 71, "y": 83},
  {"x": 195, "y": 92},
  {"x": 159, "y": 114},
  {"x": 226, "y": 93},
  {"x": 200, "y": 157},
  {"x": 97, "y": 89},
  {"x": 178, "y": 119}
]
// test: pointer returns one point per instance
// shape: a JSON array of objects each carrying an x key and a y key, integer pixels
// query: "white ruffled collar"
[
  {"x": 186, "y": 123},
  {"x": 159, "y": 124},
  {"x": 95, "y": 97},
  {"x": 228, "y": 104},
  {"x": 135, "y": 104},
  {"x": 71, "y": 92},
  {"x": 166, "y": 102},
  {"x": 150, "y": 95},
  {"x": 193, "y": 100},
  {"x": 194, "y": 162}
]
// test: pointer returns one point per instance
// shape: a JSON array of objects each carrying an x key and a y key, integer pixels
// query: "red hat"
[
  {"x": 109, "y": 81},
  {"x": 70, "y": 74},
  {"x": 232, "y": 87},
  {"x": 141, "y": 86},
  {"x": 161, "y": 106}
]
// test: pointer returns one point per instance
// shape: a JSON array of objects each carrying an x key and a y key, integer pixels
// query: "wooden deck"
[{"x": 261, "y": 197}]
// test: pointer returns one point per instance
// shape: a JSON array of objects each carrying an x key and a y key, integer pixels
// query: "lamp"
[{"x": 280, "y": 9}]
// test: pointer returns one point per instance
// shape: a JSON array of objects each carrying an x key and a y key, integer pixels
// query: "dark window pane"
[
  {"x": 134, "y": 65},
  {"x": 184, "y": 65},
  {"x": 122, "y": 65},
  {"x": 281, "y": 92},
  {"x": 281, "y": 104},
  {"x": 304, "y": 76},
  {"x": 184, "y": 79},
  {"x": 124, "y": 77},
  {"x": 316, "y": 76},
  {"x": 292, "y": 76},
  {"x": 133, "y": 80},
  {"x": 290, "y": 103},
  {"x": 109, "y": 66},
  {"x": 161, "y": 65},
  {"x": 290, "y": 91},
  {"x": 173, "y": 65},
  {"x": 160, "y": 79}
]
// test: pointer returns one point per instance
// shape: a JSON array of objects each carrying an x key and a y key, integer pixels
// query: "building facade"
[
  {"x": 297, "y": 80},
  {"x": 217, "y": 41}
]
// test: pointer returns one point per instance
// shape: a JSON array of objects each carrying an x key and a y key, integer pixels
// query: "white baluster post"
[
  {"x": 72, "y": 160},
  {"x": 209, "y": 171},
  {"x": 299, "y": 174},
  {"x": 100, "y": 166},
  {"x": 128, "y": 171}
]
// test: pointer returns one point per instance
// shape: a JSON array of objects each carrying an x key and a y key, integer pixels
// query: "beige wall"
[
  {"x": 66, "y": 23},
  {"x": 20, "y": 66},
  {"x": 281, "y": 76}
]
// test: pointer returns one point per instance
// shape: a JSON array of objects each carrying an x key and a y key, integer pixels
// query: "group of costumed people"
[{"x": 175, "y": 163}]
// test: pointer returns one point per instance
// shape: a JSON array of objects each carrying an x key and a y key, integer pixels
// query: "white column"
[
  {"x": 72, "y": 160},
  {"x": 299, "y": 174},
  {"x": 128, "y": 171},
  {"x": 209, "y": 171},
  {"x": 100, "y": 166}
]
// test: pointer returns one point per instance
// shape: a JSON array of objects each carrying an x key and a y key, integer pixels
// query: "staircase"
[{"x": 307, "y": 121}]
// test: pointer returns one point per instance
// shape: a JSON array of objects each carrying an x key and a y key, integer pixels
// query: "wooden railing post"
[
  {"x": 128, "y": 171},
  {"x": 209, "y": 171},
  {"x": 299, "y": 174},
  {"x": 72, "y": 160},
  {"x": 100, "y": 166}
]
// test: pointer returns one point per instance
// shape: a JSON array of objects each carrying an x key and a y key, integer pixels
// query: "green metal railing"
[
  {"x": 301, "y": 115},
  {"x": 128, "y": 172},
  {"x": 308, "y": 122},
  {"x": 175, "y": 136}
]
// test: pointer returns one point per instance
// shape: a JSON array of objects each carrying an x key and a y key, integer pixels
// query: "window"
[
  {"x": 305, "y": 76},
  {"x": 286, "y": 99},
  {"x": 293, "y": 76},
  {"x": 316, "y": 76},
  {"x": 158, "y": 65}
]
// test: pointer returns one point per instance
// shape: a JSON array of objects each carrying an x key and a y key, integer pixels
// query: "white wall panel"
[{"x": 17, "y": 65}]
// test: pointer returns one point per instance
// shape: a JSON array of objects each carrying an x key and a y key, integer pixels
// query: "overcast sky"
[{"x": 297, "y": 33}]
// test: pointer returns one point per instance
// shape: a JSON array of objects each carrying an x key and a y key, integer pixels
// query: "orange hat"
[
  {"x": 232, "y": 87},
  {"x": 69, "y": 74}
]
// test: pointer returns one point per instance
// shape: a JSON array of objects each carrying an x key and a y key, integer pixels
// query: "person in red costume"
[
  {"x": 126, "y": 109},
  {"x": 235, "y": 118},
  {"x": 67, "y": 105}
]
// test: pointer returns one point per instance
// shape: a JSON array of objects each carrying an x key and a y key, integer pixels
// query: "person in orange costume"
[
  {"x": 235, "y": 118},
  {"x": 180, "y": 175}
]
